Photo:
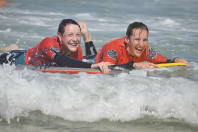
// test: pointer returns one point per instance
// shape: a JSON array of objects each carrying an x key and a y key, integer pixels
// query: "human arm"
[
  {"x": 9, "y": 48},
  {"x": 156, "y": 57},
  {"x": 103, "y": 66},
  {"x": 144, "y": 65},
  {"x": 147, "y": 64},
  {"x": 85, "y": 33},
  {"x": 177, "y": 59},
  {"x": 62, "y": 60},
  {"x": 138, "y": 65},
  {"x": 89, "y": 46},
  {"x": 128, "y": 66}
]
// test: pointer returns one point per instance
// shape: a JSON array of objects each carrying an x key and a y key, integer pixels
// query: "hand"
[
  {"x": 103, "y": 66},
  {"x": 145, "y": 64},
  {"x": 181, "y": 60},
  {"x": 85, "y": 33},
  {"x": 9, "y": 48}
]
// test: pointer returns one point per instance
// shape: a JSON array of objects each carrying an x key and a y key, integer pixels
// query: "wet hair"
[
  {"x": 64, "y": 23},
  {"x": 136, "y": 25}
]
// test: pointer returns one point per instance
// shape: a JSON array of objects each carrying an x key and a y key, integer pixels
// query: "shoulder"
[
  {"x": 115, "y": 44},
  {"x": 48, "y": 42},
  {"x": 118, "y": 41},
  {"x": 50, "y": 39}
]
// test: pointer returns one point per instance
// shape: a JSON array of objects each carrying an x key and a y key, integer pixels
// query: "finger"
[
  {"x": 152, "y": 65},
  {"x": 182, "y": 60},
  {"x": 106, "y": 70}
]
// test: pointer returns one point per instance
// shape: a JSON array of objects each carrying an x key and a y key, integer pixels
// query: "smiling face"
[
  {"x": 71, "y": 38},
  {"x": 136, "y": 43}
]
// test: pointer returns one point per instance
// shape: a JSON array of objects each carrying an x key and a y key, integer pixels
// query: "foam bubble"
[
  {"x": 30, "y": 20},
  {"x": 169, "y": 22},
  {"x": 6, "y": 30}
]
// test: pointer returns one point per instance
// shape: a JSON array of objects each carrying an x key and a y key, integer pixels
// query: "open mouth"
[
  {"x": 139, "y": 50},
  {"x": 74, "y": 44}
]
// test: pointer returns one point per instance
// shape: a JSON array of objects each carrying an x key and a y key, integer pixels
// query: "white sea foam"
[
  {"x": 164, "y": 23},
  {"x": 30, "y": 12},
  {"x": 84, "y": 15},
  {"x": 194, "y": 65},
  {"x": 30, "y": 20},
  {"x": 86, "y": 97},
  {"x": 169, "y": 22},
  {"x": 6, "y": 30}
]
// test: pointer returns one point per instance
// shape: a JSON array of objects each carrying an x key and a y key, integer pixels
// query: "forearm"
[
  {"x": 128, "y": 66},
  {"x": 171, "y": 60},
  {"x": 62, "y": 60},
  {"x": 176, "y": 59},
  {"x": 90, "y": 48}
]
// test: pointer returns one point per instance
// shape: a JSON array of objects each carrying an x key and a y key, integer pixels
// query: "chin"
[
  {"x": 137, "y": 54},
  {"x": 73, "y": 49}
]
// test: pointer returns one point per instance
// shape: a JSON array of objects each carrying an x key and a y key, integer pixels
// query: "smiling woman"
[
  {"x": 2, "y": 2},
  {"x": 61, "y": 50},
  {"x": 133, "y": 50},
  {"x": 50, "y": 48}
]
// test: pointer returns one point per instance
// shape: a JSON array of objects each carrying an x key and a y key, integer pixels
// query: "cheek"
[
  {"x": 66, "y": 39},
  {"x": 131, "y": 44},
  {"x": 78, "y": 39},
  {"x": 65, "y": 43},
  {"x": 146, "y": 43}
]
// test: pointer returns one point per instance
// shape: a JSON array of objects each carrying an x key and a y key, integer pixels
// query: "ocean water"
[{"x": 158, "y": 100}]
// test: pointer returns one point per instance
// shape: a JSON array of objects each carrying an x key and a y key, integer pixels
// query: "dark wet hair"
[
  {"x": 64, "y": 23},
  {"x": 136, "y": 25}
]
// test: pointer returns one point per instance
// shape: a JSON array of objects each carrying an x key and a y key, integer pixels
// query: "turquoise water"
[{"x": 160, "y": 100}]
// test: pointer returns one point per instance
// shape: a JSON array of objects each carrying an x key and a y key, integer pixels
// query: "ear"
[
  {"x": 59, "y": 36},
  {"x": 126, "y": 40}
]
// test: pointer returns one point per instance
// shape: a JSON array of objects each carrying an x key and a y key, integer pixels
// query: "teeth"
[
  {"x": 139, "y": 49},
  {"x": 74, "y": 44}
]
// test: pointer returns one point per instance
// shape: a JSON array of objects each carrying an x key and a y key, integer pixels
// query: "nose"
[
  {"x": 74, "y": 38},
  {"x": 141, "y": 42}
]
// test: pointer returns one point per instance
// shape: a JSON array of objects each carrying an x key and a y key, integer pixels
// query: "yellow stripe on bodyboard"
[{"x": 171, "y": 64}]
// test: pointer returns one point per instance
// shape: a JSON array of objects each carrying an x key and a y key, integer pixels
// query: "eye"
[
  {"x": 137, "y": 39},
  {"x": 78, "y": 35},
  {"x": 145, "y": 40},
  {"x": 70, "y": 34}
]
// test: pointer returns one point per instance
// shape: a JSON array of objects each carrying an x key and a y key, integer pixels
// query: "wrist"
[
  {"x": 89, "y": 43},
  {"x": 93, "y": 65},
  {"x": 134, "y": 65},
  {"x": 171, "y": 60},
  {"x": 87, "y": 37},
  {"x": 175, "y": 59}
]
